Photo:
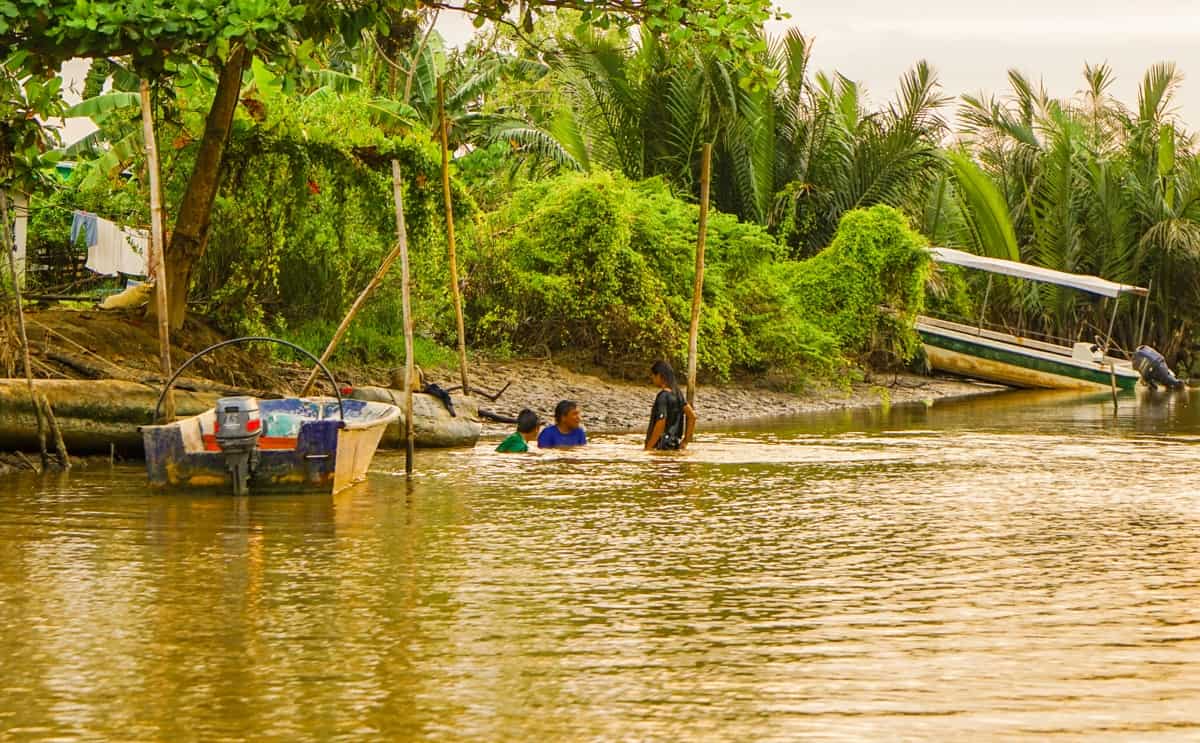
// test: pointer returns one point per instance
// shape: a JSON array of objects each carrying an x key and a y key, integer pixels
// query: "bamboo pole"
[
  {"x": 64, "y": 459},
  {"x": 698, "y": 289},
  {"x": 157, "y": 256},
  {"x": 388, "y": 260},
  {"x": 406, "y": 308},
  {"x": 6, "y": 239},
  {"x": 454, "y": 291}
]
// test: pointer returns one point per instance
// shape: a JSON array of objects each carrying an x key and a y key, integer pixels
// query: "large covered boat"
[{"x": 994, "y": 356}]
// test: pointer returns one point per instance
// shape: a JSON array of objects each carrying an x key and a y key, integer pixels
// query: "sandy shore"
[{"x": 616, "y": 406}]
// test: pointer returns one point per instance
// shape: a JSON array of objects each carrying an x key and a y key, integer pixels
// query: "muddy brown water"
[{"x": 1022, "y": 566}]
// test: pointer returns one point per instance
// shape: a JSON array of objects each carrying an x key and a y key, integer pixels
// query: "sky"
[{"x": 972, "y": 45}]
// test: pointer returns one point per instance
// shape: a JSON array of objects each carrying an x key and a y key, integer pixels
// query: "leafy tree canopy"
[{"x": 154, "y": 32}]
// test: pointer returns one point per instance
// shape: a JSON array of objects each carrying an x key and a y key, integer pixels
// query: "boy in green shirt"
[{"x": 527, "y": 427}]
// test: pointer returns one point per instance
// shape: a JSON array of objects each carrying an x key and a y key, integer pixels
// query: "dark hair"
[
  {"x": 527, "y": 421},
  {"x": 664, "y": 370},
  {"x": 562, "y": 408}
]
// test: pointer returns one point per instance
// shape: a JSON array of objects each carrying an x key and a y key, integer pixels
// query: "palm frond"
[{"x": 985, "y": 209}]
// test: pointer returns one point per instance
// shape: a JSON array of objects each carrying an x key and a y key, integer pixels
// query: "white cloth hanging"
[{"x": 118, "y": 250}]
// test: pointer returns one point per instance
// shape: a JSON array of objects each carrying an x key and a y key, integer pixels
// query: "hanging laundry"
[
  {"x": 85, "y": 223},
  {"x": 134, "y": 252},
  {"x": 117, "y": 250}
]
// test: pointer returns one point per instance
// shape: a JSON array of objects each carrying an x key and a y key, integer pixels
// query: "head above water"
[
  {"x": 566, "y": 415},
  {"x": 527, "y": 421},
  {"x": 664, "y": 376}
]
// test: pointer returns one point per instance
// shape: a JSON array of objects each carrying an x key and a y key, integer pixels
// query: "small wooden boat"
[
  {"x": 291, "y": 445},
  {"x": 1016, "y": 361}
]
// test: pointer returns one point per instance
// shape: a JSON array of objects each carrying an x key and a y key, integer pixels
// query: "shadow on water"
[{"x": 1023, "y": 565}]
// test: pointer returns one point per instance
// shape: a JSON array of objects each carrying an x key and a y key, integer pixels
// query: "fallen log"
[{"x": 93, "y": 415}]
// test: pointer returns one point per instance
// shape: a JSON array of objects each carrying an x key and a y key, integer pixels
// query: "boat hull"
[
  {"x": 1011, "y": 364},
  {"x": 325, "y": 456}
]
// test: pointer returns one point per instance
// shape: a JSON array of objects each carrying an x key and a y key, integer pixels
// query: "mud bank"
[{"x": 617, "y": 406}]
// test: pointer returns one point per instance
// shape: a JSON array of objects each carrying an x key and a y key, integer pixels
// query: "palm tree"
[
  {"x": 1088, "y": 186},
  {"x": 794, "y": 158}
]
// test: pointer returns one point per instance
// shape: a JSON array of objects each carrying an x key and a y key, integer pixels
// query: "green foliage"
[
  {"x": 24, "y": 143},
  {"x": 794, "y": 157},
  {"x": 372, "y": 339},
  {"x": 875, "y": 261},
  {"x": 154, "y": 32},
  {"x": 1085, "y": 185},
  {"x": 604, "y": 267},
  {"x": 305, "y": 217}
]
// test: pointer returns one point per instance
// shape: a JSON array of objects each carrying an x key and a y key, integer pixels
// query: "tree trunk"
[
  {"x": 455, "y": 294},
  {"x": 194, "y": 216}
]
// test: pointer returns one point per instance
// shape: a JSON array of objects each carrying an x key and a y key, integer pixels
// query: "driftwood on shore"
[{"x": 93, "y": 416}]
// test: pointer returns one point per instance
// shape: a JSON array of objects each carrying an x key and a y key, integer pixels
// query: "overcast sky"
[{"x": 972, "y": 45}]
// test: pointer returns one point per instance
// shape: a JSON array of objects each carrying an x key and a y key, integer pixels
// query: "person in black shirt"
[{"x": 672, "y": 420}]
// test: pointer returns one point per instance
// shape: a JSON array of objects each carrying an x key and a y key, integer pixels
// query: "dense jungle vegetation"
[{"x": 576, "y": 139}]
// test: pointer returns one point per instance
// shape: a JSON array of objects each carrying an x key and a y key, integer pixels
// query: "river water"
[{"x": 1021, "y": 566}]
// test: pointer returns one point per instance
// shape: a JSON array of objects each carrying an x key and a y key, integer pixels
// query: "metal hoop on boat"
[{"x": 251, "y": 339}]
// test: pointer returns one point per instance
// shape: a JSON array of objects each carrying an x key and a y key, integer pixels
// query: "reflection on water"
[{"x": 1019, "y": 565}]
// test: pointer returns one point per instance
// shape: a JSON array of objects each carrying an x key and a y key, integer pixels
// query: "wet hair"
[
  {"x": 562, "y": 408},
  {"x": 527, "y": 421},
  {"x": 664, "y": 370}
]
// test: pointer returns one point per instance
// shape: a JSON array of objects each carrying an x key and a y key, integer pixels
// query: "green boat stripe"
[{"x": 979, "y": 350}]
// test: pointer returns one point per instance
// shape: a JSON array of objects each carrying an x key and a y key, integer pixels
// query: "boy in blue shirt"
[{"x": 566, "y": 430}]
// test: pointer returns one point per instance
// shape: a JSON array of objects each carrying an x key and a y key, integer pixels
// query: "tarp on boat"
[{"x": 1090, "y": 284}]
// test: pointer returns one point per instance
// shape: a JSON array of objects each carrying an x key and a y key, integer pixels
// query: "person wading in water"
[
  {"x": 672, "y": 420},
  {"x": 566, "y": 430}
]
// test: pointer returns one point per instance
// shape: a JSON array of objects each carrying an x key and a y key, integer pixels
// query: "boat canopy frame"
[{"x": 1090, "y": 284}]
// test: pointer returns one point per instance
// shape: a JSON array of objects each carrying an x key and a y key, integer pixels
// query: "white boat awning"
[{"x": 1090, "y": 284}]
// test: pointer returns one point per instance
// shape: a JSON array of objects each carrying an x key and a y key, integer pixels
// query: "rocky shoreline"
[{"x": 612, "y": 406}]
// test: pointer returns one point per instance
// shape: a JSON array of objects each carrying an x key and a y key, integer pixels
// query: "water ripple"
[{"x": 1030, "y": 575}]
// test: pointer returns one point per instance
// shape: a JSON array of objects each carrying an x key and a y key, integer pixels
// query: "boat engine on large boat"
[
  {"x": 1153, "y": 368},
  {"x": 238, "y": 428}
]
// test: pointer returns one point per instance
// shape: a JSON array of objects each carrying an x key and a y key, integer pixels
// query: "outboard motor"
[
  {"x": 238, "y": 429},
  {"x": 1153, "y": 368}
]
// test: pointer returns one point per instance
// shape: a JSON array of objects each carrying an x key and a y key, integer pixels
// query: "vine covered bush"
[
  {"x": 600, "y": 266},
  {"x": 306, "y": 215},
  {"x": 862, "y": 295}
]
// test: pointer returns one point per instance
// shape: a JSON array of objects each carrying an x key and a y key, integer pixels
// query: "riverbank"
[
  {"x": 610, "y": 405},
  {"x": 123, "y": 345}
]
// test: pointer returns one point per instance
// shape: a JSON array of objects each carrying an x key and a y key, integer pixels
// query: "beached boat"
[
  {"x": 247, "y": 446},
  {"x": 990, "y": 355}
]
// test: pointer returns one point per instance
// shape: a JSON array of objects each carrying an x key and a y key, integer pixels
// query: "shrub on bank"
[{"x": 599, "y": 265}]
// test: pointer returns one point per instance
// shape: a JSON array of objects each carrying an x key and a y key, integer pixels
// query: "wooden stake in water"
[
  {"x": 406, "y": 309},
  {"x": 455, "y": 294},
  {"x": 698, "y": 288},
  {"x": 157, "y": 254},
  {"x": 6, "y": 241},
  {"x": 1112, "y": 379}
]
